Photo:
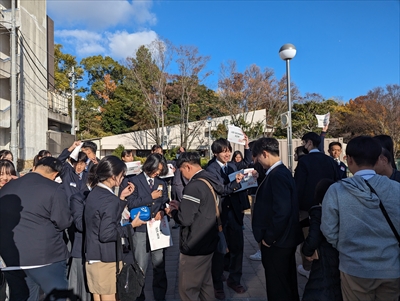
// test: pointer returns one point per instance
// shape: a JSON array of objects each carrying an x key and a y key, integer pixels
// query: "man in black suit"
[
  {"x": 233, "y": 206},
  {"x": 335, "y": 149},
  {"x": 309, "y": 171},
  {"x": 150, "y": 191},
  {"x": 276, "y": 222}
]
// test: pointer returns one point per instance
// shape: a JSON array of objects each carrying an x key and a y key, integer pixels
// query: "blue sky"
[{"x": 344, "y": 48}]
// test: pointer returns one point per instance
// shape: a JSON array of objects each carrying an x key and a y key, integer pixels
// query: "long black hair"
[{"x": 109, "y": 166}]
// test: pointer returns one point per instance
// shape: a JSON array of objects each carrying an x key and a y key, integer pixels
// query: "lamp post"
[
  {"x": 287, "y": 52},
  {"x": 209, "y": 136}
]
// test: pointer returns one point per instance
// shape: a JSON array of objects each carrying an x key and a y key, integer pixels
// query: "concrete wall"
[{"x": 33, "y": 79}]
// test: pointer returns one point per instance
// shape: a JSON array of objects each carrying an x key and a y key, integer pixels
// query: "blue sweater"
[{"x": 355, "y": 225}]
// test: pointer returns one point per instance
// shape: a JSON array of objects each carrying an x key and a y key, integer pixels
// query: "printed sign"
[
  {"x": 323, "y": 120},
  {"x": 236, "y": 135},
  {"x": 133, "y": 168}
]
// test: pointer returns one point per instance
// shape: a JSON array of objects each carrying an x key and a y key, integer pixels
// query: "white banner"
[{"x": 236, "y": 135}]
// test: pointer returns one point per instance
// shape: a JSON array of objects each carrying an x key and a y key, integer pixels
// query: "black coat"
[
  {"x": 276, "y": 212},
  {"x": 311, "y": 169},
  {"x": 324, "y": 281}
]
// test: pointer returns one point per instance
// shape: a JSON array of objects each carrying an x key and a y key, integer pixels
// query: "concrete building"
[{"x": 42, "y": 114}]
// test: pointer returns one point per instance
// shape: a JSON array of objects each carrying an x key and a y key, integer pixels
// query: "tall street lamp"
[
  {"x": 209, "y": 119},
  {"x": 287, "y": 52}
]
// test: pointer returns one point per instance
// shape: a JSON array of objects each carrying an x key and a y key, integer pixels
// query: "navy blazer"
[
  {"x": 141, "y": 196},
  {"x": 70, "y": 180},
  {"x": 34, "y": 213},
  {"x": 276, "y": 211},
  {"x": 77, "y": 204},
  {"x": 238, "y": 201},
  {"x": 102, "y": 218}
]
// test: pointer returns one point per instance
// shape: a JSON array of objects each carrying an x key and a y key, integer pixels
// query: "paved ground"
[{"x": 253, "y": 272}]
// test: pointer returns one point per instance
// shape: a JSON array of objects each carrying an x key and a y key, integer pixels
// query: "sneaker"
[
  {"x": 256, "y": 256},
  {"x": 302, "y": 271}
]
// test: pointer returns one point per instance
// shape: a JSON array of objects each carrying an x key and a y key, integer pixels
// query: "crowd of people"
[{"x": 63, "y": 223}]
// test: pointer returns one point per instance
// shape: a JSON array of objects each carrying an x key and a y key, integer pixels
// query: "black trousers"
[
  {"x": 280, "y": 273},
  {"x": 234, "y": 237}
]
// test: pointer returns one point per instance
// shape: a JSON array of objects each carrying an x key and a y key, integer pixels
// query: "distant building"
[
  {"x": 42, "y": 112},
  {"x": 142, "y": 141}
]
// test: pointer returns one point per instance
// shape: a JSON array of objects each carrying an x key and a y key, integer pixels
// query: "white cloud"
[
  {"x": 84, "y": 42},
  {"x": 123, "y": 44},
  {"x": 100, "y": 14},
  {"x": 118, "y": 45}
]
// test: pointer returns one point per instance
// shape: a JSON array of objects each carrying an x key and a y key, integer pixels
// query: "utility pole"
[
  {"x": 73, "y": 80},
  {"x": 13, "y": 104}
]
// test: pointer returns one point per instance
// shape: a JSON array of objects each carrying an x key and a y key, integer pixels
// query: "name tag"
[{"x": 72, "y": 184}]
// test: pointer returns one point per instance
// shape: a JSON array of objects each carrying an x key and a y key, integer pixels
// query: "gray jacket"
[{"x": 355, "y": 225}]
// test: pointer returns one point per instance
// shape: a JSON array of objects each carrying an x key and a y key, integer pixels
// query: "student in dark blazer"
[
  {"x": 77, "y": 271},
  {"x": 233, "y": 206},
  {"x": 311, "y": 169},
  {"x": 73, "y": 175},
  {"x": 103, "y": 230},
  {"x": 33, "y": 214},
  {"x": 276, "y": 222},
  {"x": 151, "y": 191},
  {"x": 335, "y": 149}
]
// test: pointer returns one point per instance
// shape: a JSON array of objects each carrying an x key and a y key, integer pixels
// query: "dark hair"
[
  {"x": 387, "y": 143},
  {"x": 270, "y": 145},
  {"x": 152, "y": 162},
  {"x": 40, "y": 155},
  {"x": 321, "y": 189},
  {"x": 82, "y": 157},
  {"x": 109, "y": 166},
  {"x": 4, "y": 153},
  {"x": 220, "y": 145},
  {"x": 364, "y": 150},
  {"x": 91, "y": 145},
  {"x": 188, "y": 157},
  {"x": 235, "y": 153},
  {"x": 155, "y": 147},
  {"x": 300, "y": 151},
  {"x": 126, "y": 152},
  {"x": 8, "y": 166},
  {"x": 53, "y": 164},
  {"x": 313, "y": 137},
  {"x": 387, "y": 155},
  {"x": 334, "y": 143}
]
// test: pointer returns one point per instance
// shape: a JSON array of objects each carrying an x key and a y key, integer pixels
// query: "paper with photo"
[
  {"x": 236, "y": 135},
  {"x": 323, "y": 120},
  {"x": 170, "y": 173},
  {"x": 248, "y": 180}
]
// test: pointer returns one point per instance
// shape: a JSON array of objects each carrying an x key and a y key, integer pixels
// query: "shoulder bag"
[
  {"x": 222, "y": 246},
  {"x": 384, "y": 213},
  {"x": 130, "y": 279}
]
